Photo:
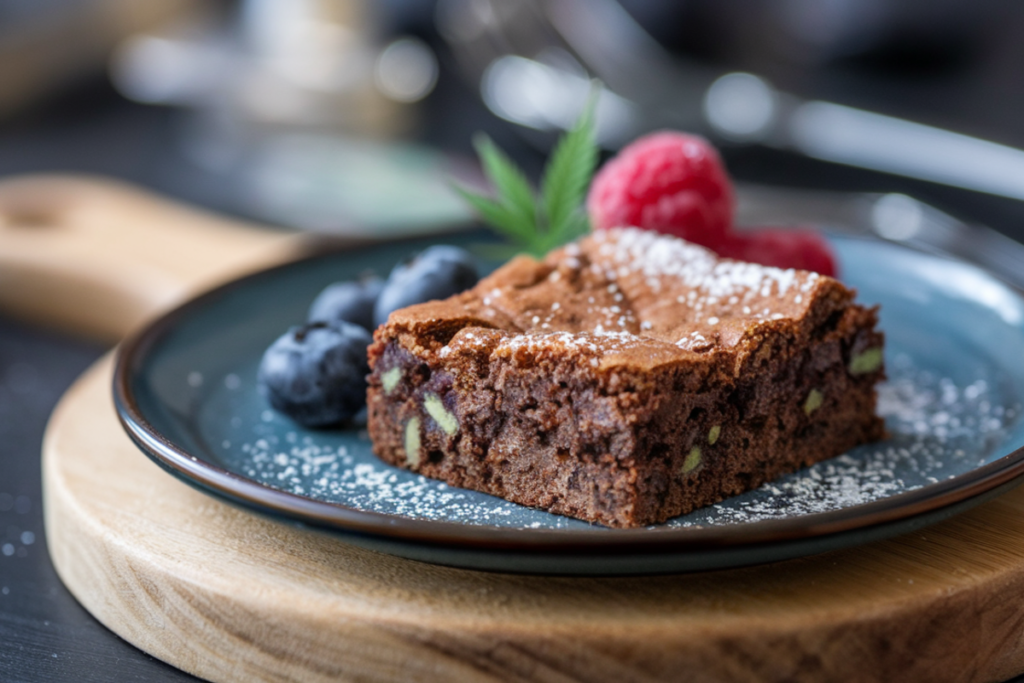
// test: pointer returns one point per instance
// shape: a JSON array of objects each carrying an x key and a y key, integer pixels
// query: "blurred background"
[
  {"x": 316, "y": 114},
  {"x": 348, "y": 116}
]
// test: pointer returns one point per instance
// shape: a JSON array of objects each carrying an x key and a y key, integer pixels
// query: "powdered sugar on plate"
[
  {"x": 333, "y": 473},
  {"x": 939, "y": 427}
]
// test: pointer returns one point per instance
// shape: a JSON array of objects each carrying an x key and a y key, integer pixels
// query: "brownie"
[{"x": 626, "y": 379}]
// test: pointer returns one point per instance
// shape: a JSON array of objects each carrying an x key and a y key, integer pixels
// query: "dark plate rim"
[{"x": 133, "y": 352}]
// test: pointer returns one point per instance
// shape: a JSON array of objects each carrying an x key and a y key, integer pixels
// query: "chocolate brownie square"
[{"x": 626, "y": 379}]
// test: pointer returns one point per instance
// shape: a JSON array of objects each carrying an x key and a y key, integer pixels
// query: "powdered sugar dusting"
[
  {"x": 600, "y": 341},
  {"x": 940, "y": 428},
  {"x": 644, "y": 284},
  {"x": 307, "y": 468},
  {"x": 660, "y": 256},
  {"x": 695, "y": 341},
  {"x": 670, "y": 283}
]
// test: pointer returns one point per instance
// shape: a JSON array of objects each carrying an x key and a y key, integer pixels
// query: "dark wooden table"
[{"x": 45, "y": 635}]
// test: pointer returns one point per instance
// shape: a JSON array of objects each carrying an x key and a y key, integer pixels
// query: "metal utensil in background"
[{"x": 534, "y": 60}]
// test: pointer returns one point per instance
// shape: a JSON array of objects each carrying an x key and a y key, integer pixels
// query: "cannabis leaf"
[{"x": 535, "y": 223}]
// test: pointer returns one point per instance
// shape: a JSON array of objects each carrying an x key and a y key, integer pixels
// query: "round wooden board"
[{"x": 230, "y": 596}]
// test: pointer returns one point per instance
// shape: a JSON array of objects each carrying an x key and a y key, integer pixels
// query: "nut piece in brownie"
[{"x": 626, "y": 379}]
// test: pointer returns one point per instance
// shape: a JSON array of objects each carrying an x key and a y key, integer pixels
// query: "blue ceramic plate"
[{"x": 186, "y": 392}]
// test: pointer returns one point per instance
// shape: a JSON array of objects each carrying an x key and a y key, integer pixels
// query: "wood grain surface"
[
  {"x": 98, "y": 257},
  {"x": 231, "y": 596}
]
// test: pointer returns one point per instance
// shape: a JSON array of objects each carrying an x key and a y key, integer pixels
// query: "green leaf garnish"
[{"x": 538, "y": 224}]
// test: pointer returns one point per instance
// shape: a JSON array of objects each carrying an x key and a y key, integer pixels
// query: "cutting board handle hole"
[{"x": 29, "y": 219}]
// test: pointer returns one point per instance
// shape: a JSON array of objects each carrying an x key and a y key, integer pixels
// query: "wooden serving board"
[{"x": 230, "y": 596}]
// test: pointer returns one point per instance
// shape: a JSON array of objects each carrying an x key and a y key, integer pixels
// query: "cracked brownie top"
[{"x": 628, "y": 298}]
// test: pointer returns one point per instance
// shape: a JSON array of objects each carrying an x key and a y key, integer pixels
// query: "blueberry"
[
  {"x": 349, "y": 301},
  {"x": 316, "y": 374},
  {"x": 436, "y": 273}
]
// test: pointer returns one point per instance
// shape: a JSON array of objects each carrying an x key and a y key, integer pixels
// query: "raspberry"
[
  {"x": 674, "y": 183},
  {"x": 668, "y": 182},
  {"x": 802, "y": 249}
]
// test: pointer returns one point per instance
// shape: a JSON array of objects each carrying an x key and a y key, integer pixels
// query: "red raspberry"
[
  {"x": 668, "y": 182},
  {"x": 674, "y": 183},
  {"x": 803, "y": 249}
]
